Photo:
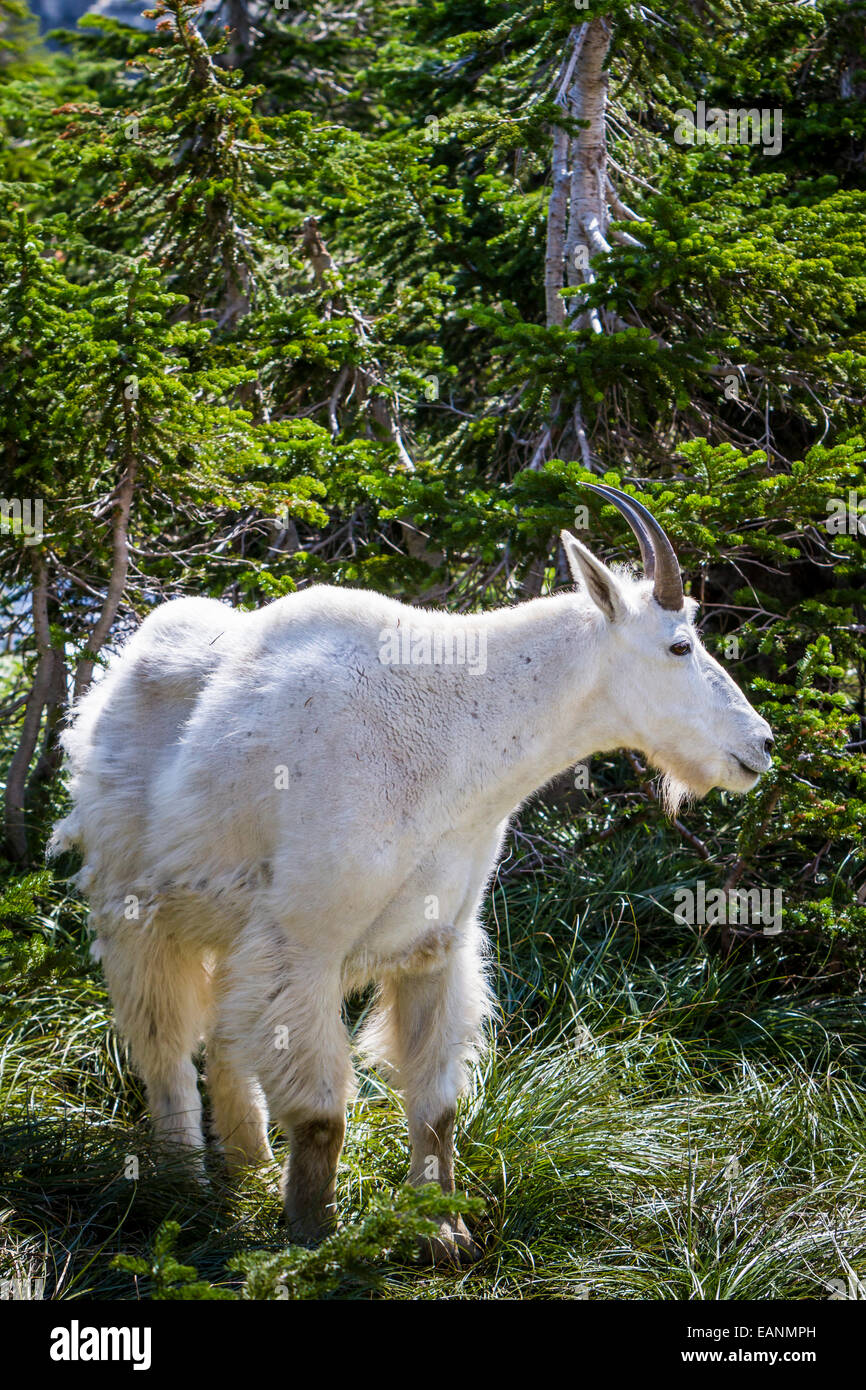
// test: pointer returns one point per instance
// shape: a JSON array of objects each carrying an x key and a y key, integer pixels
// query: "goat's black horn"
[{"x": 659, "y": 561}]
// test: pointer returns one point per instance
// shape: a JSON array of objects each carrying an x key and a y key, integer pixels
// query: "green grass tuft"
[{"x": 653, "y": 1122}]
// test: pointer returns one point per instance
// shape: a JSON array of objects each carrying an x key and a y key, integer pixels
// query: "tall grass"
[{"x": 652, "y": 1120}]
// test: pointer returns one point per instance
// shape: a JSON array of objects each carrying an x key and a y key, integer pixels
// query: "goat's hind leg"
[
  {"x": 282, "y": 1022},
  {"x": 160, "y": 995},
  {"x": 237, "y": 1103}
]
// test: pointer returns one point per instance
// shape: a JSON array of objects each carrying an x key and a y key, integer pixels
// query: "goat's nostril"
[{"x": 768, "y": 745}]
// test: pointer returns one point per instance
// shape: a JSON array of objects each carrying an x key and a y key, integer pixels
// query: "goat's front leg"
[{"x": 433, "y": 1020}]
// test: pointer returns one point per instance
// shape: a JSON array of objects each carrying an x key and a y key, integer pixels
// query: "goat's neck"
[{"x": 547, "y": 700}]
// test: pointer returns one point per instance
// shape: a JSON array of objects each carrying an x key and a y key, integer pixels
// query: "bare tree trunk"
[
  {"x": 583, "y": 203},
  {"x": 557, "y": 207},
  {"x": 578, "y": 167},
  {"x": 55, "y": 708},
  {"x": 533, "y": 580},
  {"x": 588, "y": 210},
  {"x": 237, "y": 19},
  {"x": 16, "y": 784},
  {"x": 560, "y": 232},
  {"x": 556, "y": 213},
  {"x": 117, "y": 579}
]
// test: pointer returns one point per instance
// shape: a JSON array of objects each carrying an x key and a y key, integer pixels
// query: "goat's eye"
[{"x": 681, "y": 648}]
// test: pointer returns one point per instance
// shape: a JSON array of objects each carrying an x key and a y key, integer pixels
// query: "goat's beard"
[
  {"x": 680, "y": 782},
  {"x": 674, "y": 794}
]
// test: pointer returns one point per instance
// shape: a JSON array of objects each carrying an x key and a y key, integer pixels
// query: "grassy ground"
[{"x": 652, "y": 1123}]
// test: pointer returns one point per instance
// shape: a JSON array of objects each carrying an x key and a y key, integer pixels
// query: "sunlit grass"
[{"x": 654, "y": 1122}]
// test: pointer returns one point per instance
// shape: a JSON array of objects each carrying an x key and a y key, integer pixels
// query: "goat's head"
[{"x": 674, "y": 701}]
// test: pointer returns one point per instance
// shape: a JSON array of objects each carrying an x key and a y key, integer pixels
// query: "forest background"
[{"x": 360, "y": 294}]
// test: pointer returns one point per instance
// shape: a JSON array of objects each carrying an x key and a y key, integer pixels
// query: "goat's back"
[
  {"x": 180, "y": 753},
  {"x": 126, "y": 729}
]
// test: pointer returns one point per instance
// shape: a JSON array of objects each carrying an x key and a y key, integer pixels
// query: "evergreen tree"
[{"x": 417, "y": 272}]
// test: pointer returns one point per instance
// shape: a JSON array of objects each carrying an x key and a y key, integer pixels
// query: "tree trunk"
[
  {"x": 117, "y": 578},
  {"x": 237, "y": 19},
  {"x": 583, "y": 203},
  {"x": 40, "y": 693},
  {"x": 581, "y": 90},
  {"x": 557, "y": 207},
  {"x": 55, "y": 708},
  {"x": 588, "y": 210}
]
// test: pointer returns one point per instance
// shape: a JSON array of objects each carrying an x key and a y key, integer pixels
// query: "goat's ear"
[{"x": 601, "y": 584}]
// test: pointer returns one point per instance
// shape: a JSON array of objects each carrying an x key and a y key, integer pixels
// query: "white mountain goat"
[{"x": 275, "y": 808}]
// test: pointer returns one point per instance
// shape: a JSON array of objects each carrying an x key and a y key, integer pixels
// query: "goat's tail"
[
  {"x": 76, "y": 741},
  {"x": 67, "y": 835}
]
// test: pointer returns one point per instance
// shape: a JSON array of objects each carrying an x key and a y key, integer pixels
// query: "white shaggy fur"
[{"x": 230, "y": 904}]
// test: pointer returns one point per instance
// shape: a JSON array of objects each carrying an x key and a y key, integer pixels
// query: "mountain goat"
[{"x": 276, "y": 808}]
